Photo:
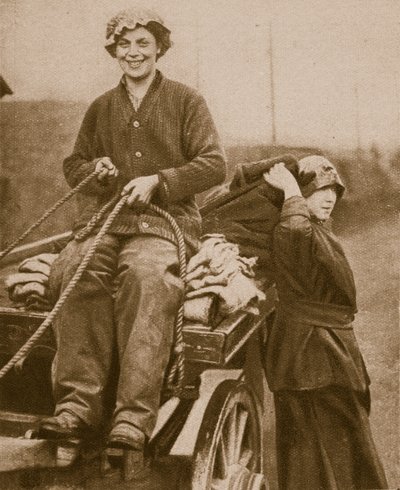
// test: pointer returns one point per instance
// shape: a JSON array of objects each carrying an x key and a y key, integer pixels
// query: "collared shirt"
[{"x": 135, "y": 101}]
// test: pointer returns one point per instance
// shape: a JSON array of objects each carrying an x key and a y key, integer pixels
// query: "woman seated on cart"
[
  {"x": 313, "y": 363},
  {"x": 154, "y": 140}
]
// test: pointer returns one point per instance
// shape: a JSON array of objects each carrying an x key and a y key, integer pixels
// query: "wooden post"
[{"x": 272, "y": 86}]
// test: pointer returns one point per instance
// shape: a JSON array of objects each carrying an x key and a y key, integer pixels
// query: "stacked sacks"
[
  {"x": 29, "y": 286},
  {"x": 220, "y": 282}
]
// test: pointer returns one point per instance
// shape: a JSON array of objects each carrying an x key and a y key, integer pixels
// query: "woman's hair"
[
  {"x": 162, "y": 36},
  {"x": 130, "y": 19}
]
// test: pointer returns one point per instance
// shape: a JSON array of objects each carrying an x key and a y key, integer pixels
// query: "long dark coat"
[
  {"x": 312, "y": 343},
  {"x": 313, "y": 363}
]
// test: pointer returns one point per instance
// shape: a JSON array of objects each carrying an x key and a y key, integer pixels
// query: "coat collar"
[{"x": 148, "y": 101}]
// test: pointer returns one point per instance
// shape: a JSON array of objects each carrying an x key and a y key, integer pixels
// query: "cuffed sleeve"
[
  {"x": 295, "y": 207},
  {"x": 206, "y": 166}
]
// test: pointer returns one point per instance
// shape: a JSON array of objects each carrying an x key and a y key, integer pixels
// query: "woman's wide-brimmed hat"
[
  {"x": 131, "y": 18},
  {"x": 316, "y": 172}
]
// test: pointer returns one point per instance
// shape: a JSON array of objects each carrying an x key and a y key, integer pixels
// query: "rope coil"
[{"x": 176, "y": 374}]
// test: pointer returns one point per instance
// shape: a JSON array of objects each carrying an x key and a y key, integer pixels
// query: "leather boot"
[{"x": 65, "y": 425}]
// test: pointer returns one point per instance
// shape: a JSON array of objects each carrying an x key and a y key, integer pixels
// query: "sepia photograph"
[{"x": 199, "y": 241}]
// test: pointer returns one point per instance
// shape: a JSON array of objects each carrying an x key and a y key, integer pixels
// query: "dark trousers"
[
  {"x": 123, "y": 307},
  {"x": 324, "y": 441}
]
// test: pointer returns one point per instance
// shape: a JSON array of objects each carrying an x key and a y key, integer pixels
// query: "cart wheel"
[{"x": 228, "y": 453}]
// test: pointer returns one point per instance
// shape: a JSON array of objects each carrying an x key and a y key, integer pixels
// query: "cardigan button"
[
  {"x": 136, "y": 124},
  {"x": 145, "y": 224},
  {"x": 138, "y": 154}
]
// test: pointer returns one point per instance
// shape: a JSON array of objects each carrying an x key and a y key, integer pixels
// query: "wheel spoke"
[
  {"x": 229, "y": 436},
  {"x": 246, "y": 457},
  {"x": 221, "y": 459},
  {"x": 241, "y": 424}
]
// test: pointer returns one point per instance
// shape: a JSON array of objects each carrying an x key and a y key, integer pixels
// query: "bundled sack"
[
  {"x": 218, "y": 273},
  {"x": 249, "y": 210},
  {"x": 202, "y": 310},
  {"x": 29, "y": 286}
]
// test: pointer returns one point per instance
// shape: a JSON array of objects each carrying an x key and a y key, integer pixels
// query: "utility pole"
[
  {"x": 357, "y": 121},
  {"x": 198, "y": 61},
  {"x": 272, "y": 86},
  {"x": 397, "y": 98}
]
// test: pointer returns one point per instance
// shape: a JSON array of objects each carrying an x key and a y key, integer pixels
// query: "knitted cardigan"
[{"x": 172, "y": 134}]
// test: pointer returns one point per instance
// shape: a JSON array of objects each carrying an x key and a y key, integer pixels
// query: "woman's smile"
[{"x": 136, "y": 52}]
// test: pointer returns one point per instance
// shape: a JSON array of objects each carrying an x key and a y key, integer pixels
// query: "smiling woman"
[
  {"x": 151, "y": 139},
  {"x": 137, "y": 48}
]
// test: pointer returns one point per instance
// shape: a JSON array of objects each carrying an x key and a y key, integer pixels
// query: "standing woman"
[{"x": 313, "y": 363}]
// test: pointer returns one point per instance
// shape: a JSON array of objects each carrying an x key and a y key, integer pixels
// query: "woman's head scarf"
[
  {"x": 132, "y": 18},
  {"x": 316, "y": 172}
]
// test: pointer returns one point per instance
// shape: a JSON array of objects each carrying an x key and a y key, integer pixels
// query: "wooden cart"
[{"x": 212, "y": 433}]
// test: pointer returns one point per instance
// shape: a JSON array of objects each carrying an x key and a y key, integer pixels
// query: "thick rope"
[
  {"x": 176, "y": 375},
  {"x": 27, "y": 347},
  {"x": 91, "y": 224},
  {"x": 49, "y": 212}
]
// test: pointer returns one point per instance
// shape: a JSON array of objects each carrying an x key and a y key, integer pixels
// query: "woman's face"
[
  {"x": 321, "y": 203},
  {"x": 136, "y": 52}
]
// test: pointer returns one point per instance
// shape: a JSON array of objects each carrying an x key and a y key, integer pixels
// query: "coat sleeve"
[
  {"x": 206, "y": 165},
  {"x": 83, "y": 159},
  {"x": 294, "y": 243}
]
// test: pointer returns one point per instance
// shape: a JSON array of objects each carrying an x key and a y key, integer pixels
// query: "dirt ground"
[{"x": 370, "y": 237}]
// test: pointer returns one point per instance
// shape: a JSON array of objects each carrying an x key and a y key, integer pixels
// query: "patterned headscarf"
[
  {"x": 316, "y": 172},
  {"x": 131, "y": 18}
]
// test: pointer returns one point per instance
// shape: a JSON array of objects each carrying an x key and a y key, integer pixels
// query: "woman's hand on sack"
[
  {"x": 106, "y": 168},
  {"x": 279, "y": 177},
  {"x": 140, "y": 189}
]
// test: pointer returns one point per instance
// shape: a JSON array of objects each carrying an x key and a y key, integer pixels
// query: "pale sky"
[{"x": 336, "y": 62}]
